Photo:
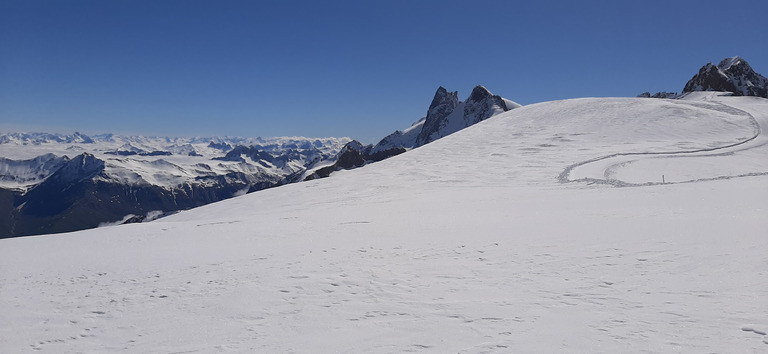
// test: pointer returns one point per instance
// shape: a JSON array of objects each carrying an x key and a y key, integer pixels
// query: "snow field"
[
  {"x": 727, "y": 159},
  {"x": 468, "y": 244}
]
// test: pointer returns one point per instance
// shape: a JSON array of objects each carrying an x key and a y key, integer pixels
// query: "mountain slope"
[
  {"x": 17, "y": 174},
  {"x": 467, "y": 244}
]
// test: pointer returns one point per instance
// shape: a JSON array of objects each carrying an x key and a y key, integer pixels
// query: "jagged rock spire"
[{"x": 733, "y": 75}]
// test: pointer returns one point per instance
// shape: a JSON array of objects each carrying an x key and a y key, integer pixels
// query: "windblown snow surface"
[{"x": 543, "y": 229}]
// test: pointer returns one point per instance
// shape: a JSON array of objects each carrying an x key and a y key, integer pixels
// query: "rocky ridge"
[{"x": 732, "y": 75}]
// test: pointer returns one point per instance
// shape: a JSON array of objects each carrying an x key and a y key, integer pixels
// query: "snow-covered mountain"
[
  {"x": 19, "y": 174},
  {"x": 44, "y": 138},
  {"x": 594, "y": 225},
  {"x": 55, "y": 183},
  {"x": 446, "y": 115},
  {"x": 732, "y": 75}
]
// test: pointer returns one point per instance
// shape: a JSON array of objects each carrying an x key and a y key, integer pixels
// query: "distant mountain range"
[{"x": 53, "y": 183}]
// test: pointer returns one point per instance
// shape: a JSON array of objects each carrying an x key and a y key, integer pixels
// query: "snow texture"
[{"x": 498, "y": 238}]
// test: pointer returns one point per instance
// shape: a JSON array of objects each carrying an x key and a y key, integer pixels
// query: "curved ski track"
[{"x": 759, "y": 139}]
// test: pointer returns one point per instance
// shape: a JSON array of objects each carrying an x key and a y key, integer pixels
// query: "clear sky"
[{"x": 341, "y": 68}]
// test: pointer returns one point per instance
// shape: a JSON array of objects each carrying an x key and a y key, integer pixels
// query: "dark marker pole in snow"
[{"x": 662, "y": 180}]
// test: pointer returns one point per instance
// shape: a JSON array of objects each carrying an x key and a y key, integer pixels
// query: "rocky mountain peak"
[
  {"x": 481, "y": 105},
  {"x": 441, "y": 107},
  {"x": 81, "y": 167},
  {"x": 448, "y": 115},
  {"x": 733, "y": 74},
  {"x": 442, "y": 104},
  {"x": 443, "y": 97},
  {"x": 479, "y": 93},
  {"x": 727, "y": 63}
]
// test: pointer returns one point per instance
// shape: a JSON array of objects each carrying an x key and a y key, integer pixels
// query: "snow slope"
[
  {"x": 472, "y": 243},
  {"x": 702, "y": 152}
]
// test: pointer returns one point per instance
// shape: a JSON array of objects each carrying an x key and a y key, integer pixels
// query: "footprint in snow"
[
  {"x": 759, "y": 330},
  {"x": 753, "y": 328}
]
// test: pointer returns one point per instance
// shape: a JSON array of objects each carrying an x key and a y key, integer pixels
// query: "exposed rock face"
[
  {"x": 252, "y": 152},
  {"x": 480, "y": 105},
  {"x": 220, "y": 146},
  {"x": 354, "y": 155},
  {"x": 732, "y": 75},
  {"x": 385, "y": 154},
  {"x": 82, "y": 167},
  {"x": 443, "y": 104},
  {"x": 661, "y": 94}
]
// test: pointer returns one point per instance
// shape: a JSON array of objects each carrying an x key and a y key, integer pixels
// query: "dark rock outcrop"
[
  {"x": 220, "y": 146},
  {"x": 731, "y": 75},
  {"x": 480, "y": 105},
  {"x": 443, "y": 104},
  {"x": 661, "y": 94},
  {"x": 252, "y": 152}
]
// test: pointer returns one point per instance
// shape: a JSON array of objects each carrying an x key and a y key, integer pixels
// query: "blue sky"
[{"x": 341, "y": 68}]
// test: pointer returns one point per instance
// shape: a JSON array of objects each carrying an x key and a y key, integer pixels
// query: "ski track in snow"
[
  {"x": 608, "y": 169},
  {"x": 466, "y": 245}
]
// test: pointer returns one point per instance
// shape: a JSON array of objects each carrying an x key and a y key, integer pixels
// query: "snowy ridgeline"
[{"x": 544, "y": 229}]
